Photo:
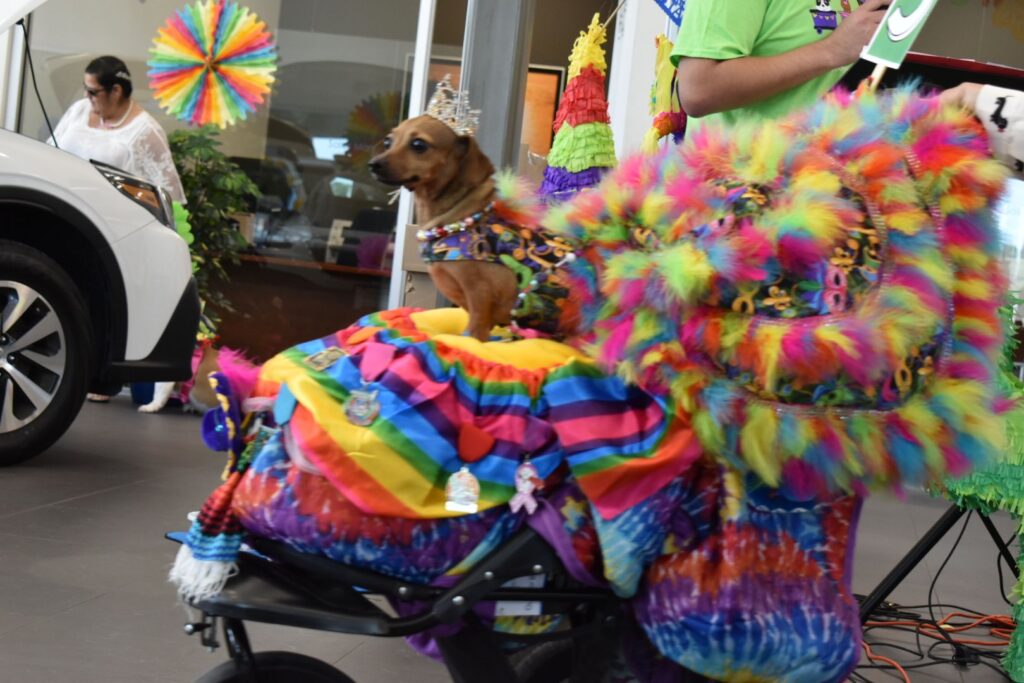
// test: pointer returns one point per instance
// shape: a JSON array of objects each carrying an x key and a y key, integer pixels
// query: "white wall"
[
  {"x": 632, "y": 71},
  {"x": 970, "y": 30}
]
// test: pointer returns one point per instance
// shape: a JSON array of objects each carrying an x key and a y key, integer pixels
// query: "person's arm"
[
  {"x": 64, "y": 124},
  {"x": 1001, "y": 111},
  {"x": 153, "y": 161},
  {"x": 709, "y": 86}
]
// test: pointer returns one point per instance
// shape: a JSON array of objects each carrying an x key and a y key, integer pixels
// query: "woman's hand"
[{"x": 964, "y": 95}]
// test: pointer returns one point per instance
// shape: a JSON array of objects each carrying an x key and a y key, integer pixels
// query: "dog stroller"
[{"x": 803, "y": 310}]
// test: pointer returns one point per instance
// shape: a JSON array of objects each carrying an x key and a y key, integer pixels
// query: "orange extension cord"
[{"x": 1000, "y": 627}]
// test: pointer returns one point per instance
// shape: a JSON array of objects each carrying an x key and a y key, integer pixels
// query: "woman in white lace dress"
[{"x": 107, "y": 125}]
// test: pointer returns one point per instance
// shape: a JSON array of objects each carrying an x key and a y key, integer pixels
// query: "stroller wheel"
[
  {"x": 549, "y": 662},
  {"x": 278, "y": 667}
]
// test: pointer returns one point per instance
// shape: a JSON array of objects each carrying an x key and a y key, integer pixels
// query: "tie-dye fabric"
[{"x": 735, "y": 581}]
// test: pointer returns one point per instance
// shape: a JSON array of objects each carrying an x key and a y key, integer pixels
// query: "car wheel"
[{"x": 45, "y": 351}]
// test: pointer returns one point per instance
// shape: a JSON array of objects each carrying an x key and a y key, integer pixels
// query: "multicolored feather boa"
[{"x": 819, "y": 295}]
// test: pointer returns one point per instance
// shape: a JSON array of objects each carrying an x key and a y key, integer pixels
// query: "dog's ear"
[{"x": 475, "y": 167}]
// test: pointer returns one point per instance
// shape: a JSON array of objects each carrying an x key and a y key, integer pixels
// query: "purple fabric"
[
  {"x": 550, "y": 525},
  {"x": 560, "y": 183}
]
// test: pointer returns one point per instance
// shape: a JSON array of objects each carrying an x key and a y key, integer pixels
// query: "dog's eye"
[
  {"x": 386, "y": 143},
  {"x": 418, "y": 145}
]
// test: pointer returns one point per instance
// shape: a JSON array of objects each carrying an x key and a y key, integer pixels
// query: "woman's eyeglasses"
[{"x": 93, "y": 92}]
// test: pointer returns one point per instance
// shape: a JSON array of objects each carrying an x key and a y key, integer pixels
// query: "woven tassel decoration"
[{"x": 207, "y": 559}]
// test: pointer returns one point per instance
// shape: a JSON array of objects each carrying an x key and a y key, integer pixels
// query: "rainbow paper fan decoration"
[
  {"x": 371, "y": 120},
  {"x": 212, "y": 63}
]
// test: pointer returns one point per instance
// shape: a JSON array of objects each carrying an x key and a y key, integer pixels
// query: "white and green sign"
[{"x": 898, "y": 31}]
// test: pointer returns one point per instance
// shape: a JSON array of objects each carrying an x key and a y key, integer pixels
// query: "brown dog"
[{"x": 450, "y": 178}]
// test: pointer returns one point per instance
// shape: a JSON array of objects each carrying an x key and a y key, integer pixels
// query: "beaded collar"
[{"x": 466, "y": 223}]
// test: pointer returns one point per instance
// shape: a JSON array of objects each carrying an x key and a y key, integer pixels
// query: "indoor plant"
[{"x": 215, "y": 189}]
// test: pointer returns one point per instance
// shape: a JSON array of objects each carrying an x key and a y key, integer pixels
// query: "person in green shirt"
[{"x": 742, "y": 59}]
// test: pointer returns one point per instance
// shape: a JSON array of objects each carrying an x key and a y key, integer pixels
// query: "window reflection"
[{"x": 320, "y": 238}]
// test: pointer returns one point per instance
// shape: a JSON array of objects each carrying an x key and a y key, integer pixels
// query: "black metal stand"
[{"x": 948, "y": 520}]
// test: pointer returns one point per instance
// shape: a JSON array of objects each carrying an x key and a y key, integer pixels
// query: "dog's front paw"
[{"x": 151, "y": 408}]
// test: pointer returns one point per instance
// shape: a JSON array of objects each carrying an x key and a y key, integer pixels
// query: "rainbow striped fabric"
[{"x": 448, "y": 401}]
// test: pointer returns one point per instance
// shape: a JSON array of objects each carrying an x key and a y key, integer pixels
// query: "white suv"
[{"x": 96, "y": 290}]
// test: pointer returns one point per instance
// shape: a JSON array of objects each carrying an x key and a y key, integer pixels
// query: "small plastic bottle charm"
[
  {"x": 462, "y": 492},
  {"x": 527, "y": 481},
  {"x": 362, "y": 407}
]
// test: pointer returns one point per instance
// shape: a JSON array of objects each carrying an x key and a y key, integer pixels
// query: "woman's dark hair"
[{"x": 111, "y": 71}]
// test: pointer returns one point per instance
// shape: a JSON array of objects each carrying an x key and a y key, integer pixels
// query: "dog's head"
[{"x": 426, "y": 156}]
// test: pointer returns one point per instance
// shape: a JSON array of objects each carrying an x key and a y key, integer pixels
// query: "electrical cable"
[
  {"x": 872, "y": 657},
  {"x": 958, "y": 608},
  {"x": 1000, "y": 561},
  {"x": 35, "y": 83},
  {"x": 949, "y": 555},
  {"x": 947, "y": 631}
]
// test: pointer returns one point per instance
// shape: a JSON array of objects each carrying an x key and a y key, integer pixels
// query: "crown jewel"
[{"x": 451, "y": 107}]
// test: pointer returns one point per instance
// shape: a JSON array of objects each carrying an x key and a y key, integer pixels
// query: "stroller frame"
[{"x": 279, "y": 585}]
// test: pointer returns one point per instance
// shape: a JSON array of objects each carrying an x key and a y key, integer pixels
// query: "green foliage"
[
  {"x": 215, "y": 188},
  {"x": 1009, "y": 379}
]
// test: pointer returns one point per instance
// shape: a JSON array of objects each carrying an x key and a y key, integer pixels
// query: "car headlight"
[{"x": 147, "y": 195}]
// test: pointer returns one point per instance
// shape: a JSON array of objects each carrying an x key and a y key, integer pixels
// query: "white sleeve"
[
  {"x": 65, "y": 123},
  {"x": 152, "y": 159},
  {"x": 1001, "y": 110}
]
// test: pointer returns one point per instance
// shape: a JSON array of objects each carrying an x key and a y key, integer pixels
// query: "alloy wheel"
[{"x": 33, "y": 355}]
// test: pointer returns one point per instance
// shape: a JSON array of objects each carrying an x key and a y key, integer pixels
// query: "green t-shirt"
[{"x": 727, "y": 29}]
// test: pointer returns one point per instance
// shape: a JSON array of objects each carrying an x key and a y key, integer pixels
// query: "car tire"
[{"x": 45, "y": 352}]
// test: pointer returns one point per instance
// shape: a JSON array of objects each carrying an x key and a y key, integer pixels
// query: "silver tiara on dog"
[{"x": 451, "y": 107}]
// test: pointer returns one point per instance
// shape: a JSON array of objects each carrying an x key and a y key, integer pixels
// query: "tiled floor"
[{"x": 82, "y": 563}]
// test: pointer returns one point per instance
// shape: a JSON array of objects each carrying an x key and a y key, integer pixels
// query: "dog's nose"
[{"x": 376, "y": 165}]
